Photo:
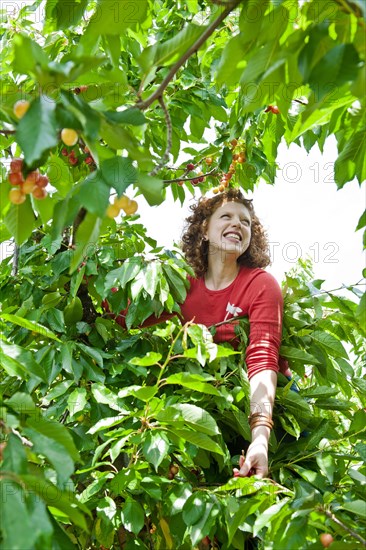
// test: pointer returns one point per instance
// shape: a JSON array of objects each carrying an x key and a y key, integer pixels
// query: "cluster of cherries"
[
  {"x": 121, "y": 203},
  {"x": 34, "y": 184},
  {"x": 238, "y": 158},
  {"x": 70, "y": 138}
]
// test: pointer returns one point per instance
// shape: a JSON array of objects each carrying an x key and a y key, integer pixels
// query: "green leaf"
[
  {"x": 93, "y": 194},
  {"x": 17, "y": 527},
  {"x": 201, "y": 440},
  {"x": 330, "y": 343},
  {"x": 357, "y": 507},
  {"x": 196, "y": 417},
  {"x": 112, "y": 17},
  {"x": 76, "y": 401},
  {"x": 151, "y": 358},
  {"x": 296, "y": 354},
  {"x": 20, "y": 221},
  {"x": 193, "y": 382},
  {"x": 30, "y": 325},
  {"x": 132, "y": 516},
  {"x": 338, "y": 66},
  {"x": 59, "y": 175},
  {"x": 119, "y": 173},
  {"x": 37, "y": 130},
  {"x": 152, "y": 189},
  {"x": 124, "y": 274},
  {"x": 129, "y": 116},
  {"x": 65, "y": 14},
  {"x": 53, "y": 441},
  {"x": 360, "y": 312},
  {"x": 27, "y": 55},
  {"x": 155, "y": 447},
  {"x": 86, "y": 239},
  {"x": 57, "y": 499},
  {"x": 14, "y": 456},
  {"x": 165, "y": 53},
  {"x": 194, "y": 508},
  {"x": 20, "y": 362}
]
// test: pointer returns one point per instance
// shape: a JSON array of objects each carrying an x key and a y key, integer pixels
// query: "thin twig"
[
  {"x": 353, "y": 533},
  {"x": 169, "y": 138},
  {"x": 15, "y": 267},
  {"x": 197, "y": 44},
  {"x": 7, "y": 132},
  {"x": 175, "y": 180}
]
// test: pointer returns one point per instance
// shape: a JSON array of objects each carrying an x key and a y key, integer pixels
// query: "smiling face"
[{"x": 229, "y": 229}]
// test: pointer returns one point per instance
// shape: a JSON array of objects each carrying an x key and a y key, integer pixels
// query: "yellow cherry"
[
  {"x": 21, "y": 107},
  {"x": 69, "y": 136}
]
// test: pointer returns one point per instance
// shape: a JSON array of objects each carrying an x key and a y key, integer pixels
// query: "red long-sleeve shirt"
[{"x": 254, "y": 293}]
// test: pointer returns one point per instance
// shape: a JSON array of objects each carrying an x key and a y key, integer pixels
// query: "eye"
[{"x": 225, "y": 216}]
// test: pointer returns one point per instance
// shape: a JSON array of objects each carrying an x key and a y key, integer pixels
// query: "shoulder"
[{"x": 258, "y": 279}]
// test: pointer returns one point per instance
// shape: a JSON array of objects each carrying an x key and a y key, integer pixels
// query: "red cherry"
[
  {"x": 89, "y": 160},
  {"x": 64, "y": 152},
  {"x": 190, "y": 166},
  {"x": 43, "y": 181},
  {"x": 16, "y": 165},
  {"x": 114, "y": 289},
  {"x": 15, "y": 178}
]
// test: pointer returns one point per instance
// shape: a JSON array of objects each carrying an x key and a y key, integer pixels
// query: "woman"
[{"x": 226, "y": 245}]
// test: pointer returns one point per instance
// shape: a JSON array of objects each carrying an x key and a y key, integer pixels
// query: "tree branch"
[
  {"x": 210, "y": 29},
  {"x": 169, "y": 138},
  {"x": 7, "y": 132},
  {"x": 183, "y": 178},
  {"x": 353, "y": 533},
  {"x": 15, "y": 266}
]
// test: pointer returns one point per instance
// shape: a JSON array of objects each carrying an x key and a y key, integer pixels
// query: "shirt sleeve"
[{"x": 265, "y": 320}]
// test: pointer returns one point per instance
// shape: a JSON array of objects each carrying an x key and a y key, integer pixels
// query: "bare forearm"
[{"x": 262, "y": 395}]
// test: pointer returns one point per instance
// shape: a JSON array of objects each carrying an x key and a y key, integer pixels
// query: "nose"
[{"x": 235, "y": 222}]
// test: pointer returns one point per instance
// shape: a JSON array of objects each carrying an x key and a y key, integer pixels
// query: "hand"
[{"x": 256, "y": 461}]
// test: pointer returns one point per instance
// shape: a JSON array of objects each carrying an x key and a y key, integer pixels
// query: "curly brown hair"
[{"x": 195, "y": 247}]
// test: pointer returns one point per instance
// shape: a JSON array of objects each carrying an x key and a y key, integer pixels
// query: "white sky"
[{"x": 303, "y": 212}]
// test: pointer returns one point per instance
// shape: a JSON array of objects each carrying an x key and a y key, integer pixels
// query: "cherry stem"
[{"x": 197, "y": 44}]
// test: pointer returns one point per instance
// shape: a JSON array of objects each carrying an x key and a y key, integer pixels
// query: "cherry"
[
  {"x": 21, "y": 107},
  {"x": 190, "y": 166},
  {"x": 112, "y": 211},
  {"x": 16, "y": 196},
  {"x": 69, "y": 136},
  {"x": 326, "y": 539},
  {"x": 272, "y": 109},
  {"x": 43, "y": 181},
  {"x": 16, "y": 165},
  {"x": 33, "y": 177},
  {"x": 15, "y": 178},
  {"x": 39, "y": 193},
  {"x": 131, "y": 208}
]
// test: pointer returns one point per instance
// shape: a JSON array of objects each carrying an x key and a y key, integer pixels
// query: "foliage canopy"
[{"x": 119, "y": 438}]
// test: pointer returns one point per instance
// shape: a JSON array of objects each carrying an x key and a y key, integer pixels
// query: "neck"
[{"x": 221, "y": 274}]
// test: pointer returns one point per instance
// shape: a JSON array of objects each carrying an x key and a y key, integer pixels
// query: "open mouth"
[{"x": 233, "y": 235}]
